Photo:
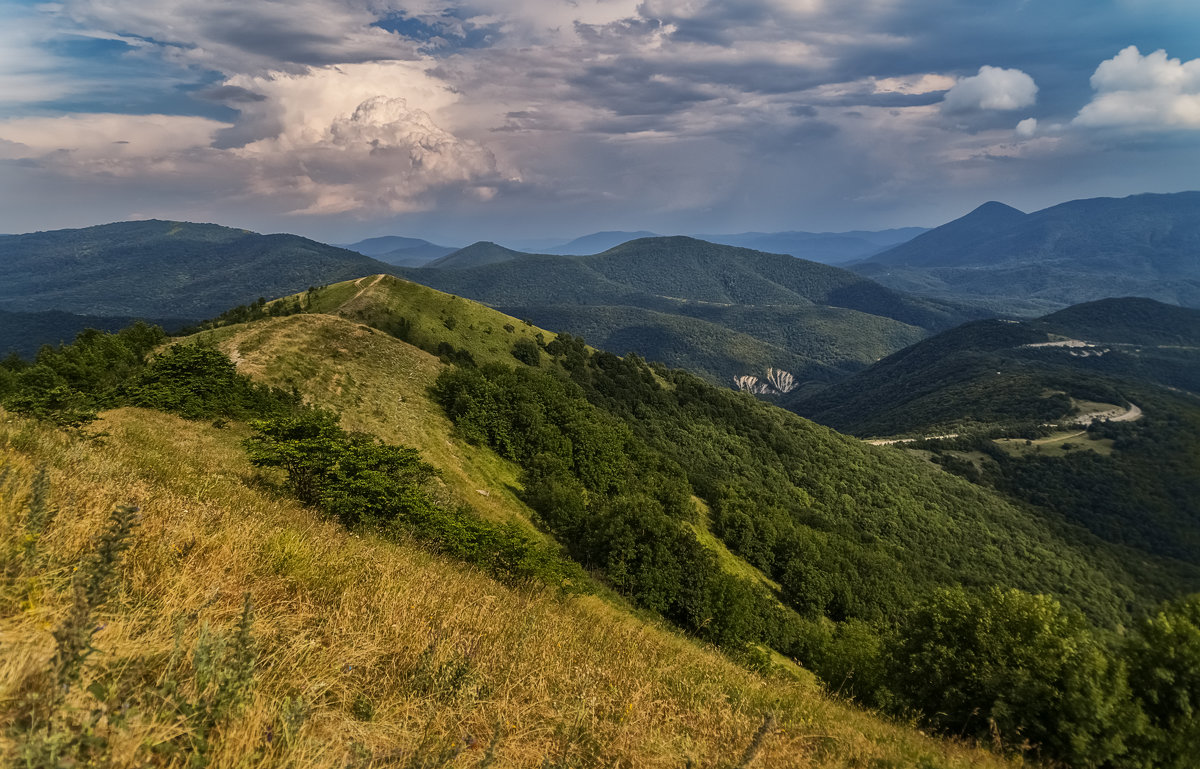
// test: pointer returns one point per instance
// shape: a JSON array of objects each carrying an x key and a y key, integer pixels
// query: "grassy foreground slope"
[{"x": 363, "y": 652}]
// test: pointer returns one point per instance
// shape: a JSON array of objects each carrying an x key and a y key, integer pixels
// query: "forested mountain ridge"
[
  {"x": 24, "y": 332},
  {"x": 458, "y": 329},
  {"x": 475, "y": 255},
  {"x": 163, "y": 269},
  {"x": 1142, "y": 245},
  {"x": 823, "y": 247},
  {"x": 649, "y": 479},
  {"x": 727, "y": 313},
  {"x": 772, "y": 444},
  {"x": 815, "y": 321},
  {"x": 996, "y": 371},
  {"x": 680, "y": 268}
]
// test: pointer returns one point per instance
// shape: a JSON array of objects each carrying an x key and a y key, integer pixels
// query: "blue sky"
[{"x": 343, "y": 119}]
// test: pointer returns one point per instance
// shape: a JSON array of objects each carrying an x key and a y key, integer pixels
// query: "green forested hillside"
[
  {"x": 711, "y": 347},
  {"x": 475, "y": 255},
  {"x": 163, "y": 269},
  {"x": 24, "y": 332},
  {"x": 1129, "y": 320},
  {"x": 892, "y": 575},
  {"x": 1021, "y": 414},
  {"x": 995, "y": 371},
  {"x": 808, "y": 311}
]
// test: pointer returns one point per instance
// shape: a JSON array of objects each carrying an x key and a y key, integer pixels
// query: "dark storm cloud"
[{"x": 630, "y": 92}]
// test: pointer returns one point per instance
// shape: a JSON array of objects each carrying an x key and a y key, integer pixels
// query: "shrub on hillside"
[{"x": 1015, "y": 667}]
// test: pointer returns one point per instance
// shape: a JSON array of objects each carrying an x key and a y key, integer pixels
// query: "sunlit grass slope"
[
  {"x": 379, "y": 385},
  {"x": 426, "y": 317},
  {"x": 363, "y": 652}
]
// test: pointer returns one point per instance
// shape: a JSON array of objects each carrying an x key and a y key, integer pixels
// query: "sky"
[{"x": 547, "y": 119}]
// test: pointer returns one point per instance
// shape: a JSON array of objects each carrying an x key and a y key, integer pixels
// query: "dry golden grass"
[
  {"x": 379, "y": 385},
  {"x": 382, "y": 647}
]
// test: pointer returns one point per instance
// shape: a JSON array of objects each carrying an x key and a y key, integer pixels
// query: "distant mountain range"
[
  {"x": 1143, "y": 245},
  {"x": 399, "y": 251},
  {"x": 597, "y": 242},
  {"x": 164, "y": 269},
  {"x": 824, "y": 247}
]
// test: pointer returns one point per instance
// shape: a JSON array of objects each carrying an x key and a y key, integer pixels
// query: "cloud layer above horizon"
[{"x": 461, "y": 120}]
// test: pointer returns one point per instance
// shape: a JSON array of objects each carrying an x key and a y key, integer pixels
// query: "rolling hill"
[
  {"x": 820, "y": 319},
  {"x": 163, "y": 269},
  {"x": 1142, "y": 245},
  {"x": 997, "y": 371}
]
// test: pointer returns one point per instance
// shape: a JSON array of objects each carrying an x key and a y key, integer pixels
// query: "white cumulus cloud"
[
  {"x": 994, "y": 88},
  {"x": 1144, "y": 92},
  {"x": 386, "y": 156},
  {"x": 358, "y": 139}
]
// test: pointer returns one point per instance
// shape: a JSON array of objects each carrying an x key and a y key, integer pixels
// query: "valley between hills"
[{"x": 481, "y": 507}]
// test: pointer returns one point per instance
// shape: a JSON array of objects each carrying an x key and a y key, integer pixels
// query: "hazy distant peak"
[
  {"x": 475, "y": 255},
  {"x": 598, "y": 241},
  {"x": 996, "y": 210},
  {"x": 385, "y": 244}
]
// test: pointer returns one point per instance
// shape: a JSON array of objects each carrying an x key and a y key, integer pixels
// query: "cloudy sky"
[{"x": 506, "y": 120}]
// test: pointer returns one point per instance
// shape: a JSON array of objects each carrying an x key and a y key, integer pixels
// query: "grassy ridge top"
[
  {"x": 426, "y": 317},
  {"x": 379, "y": 385}
]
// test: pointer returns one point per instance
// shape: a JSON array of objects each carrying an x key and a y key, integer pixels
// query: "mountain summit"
[{"x": 1142, "y": 245}]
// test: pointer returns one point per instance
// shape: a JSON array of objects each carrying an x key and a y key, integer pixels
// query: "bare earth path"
[
  {"x": 1132, "y": 414},
  {"x": 363, "y": 288}
]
